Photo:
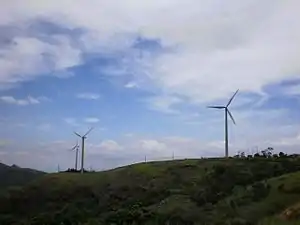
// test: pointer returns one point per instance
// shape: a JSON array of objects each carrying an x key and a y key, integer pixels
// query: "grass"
[
  {"x": 206, "y": 191},
  {"x": 16, "y": 176}
]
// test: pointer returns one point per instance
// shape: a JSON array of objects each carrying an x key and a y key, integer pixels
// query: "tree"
[
  {"x": 281, "y": 154},
  {"x": 267, "y": 153}
]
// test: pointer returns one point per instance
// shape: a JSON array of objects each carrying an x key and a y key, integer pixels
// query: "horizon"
[
  {"x": 237, "y": 156},
  {"x": 142, "y": 74}
]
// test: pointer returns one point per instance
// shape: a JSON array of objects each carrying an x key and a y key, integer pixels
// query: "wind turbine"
[
  {"x": 227, "y": 112},
  {"x": 83, "y": 137},
  {"x": 76, "y": 148}
]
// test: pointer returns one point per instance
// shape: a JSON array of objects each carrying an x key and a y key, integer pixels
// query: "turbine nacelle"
[
  {"x": 226, "y": 107},
  {"x": 216, "y": 107},
  {"x": 84, "y": 136}
]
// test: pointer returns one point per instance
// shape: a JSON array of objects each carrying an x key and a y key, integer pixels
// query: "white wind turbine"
[
  {"x": 227, "y": 112},
  {"x": 76, "y": 149},
  {"x": 83, "y": 137}
]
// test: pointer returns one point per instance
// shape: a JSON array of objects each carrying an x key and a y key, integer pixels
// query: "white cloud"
[
  {"x": 151, "y": 145},
  {"x": 35, "y": 58},
  {"x": 71, "y": 121},
  {"x": 219, "y": 47},
  {"x": 22, "y": 102},
  {"x": 12, "y": 100},
  {"x": 131, "y": 85},
  {"x": 110, "y": 145},
  {"x": 163, "y": 104},
  {"x": 32, "y": 100},
  {"x": 80, "y": 123},
  {"x": 292, "y": 90},
  {"x": 88, "y": 96},
  {"x": 91, "y": 120}
]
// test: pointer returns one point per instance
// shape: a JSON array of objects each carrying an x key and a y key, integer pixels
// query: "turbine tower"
[
  {"x": 76, "y": 149},
  {"x": 83, "y": 137},
  {"x": 227, "y": 112}
]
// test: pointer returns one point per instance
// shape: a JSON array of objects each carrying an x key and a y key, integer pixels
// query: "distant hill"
[
  {"x": 185, "y": 192},
  {"x": 15, "y": 176}
]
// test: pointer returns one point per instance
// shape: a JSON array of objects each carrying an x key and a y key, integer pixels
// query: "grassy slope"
[
  {"x": 179, "y": 192},
  {"x": 284, "y": 218},
  {"x": 15, "y": 176}
]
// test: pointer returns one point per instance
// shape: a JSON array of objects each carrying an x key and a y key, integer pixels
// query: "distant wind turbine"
[
  {"x": 76, "y": 149},
  {"x": 227, "y": 112},
  {"x": 83, "y": 137}
]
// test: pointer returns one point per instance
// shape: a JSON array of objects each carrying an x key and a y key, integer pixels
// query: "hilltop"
[
  {"x": 15, "y": 176},
  {"x": 206, "y": 191}
]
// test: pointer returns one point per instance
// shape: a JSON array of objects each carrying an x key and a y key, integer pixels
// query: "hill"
[
  {"x": 206, "y": 191},
  {"x": 15, "y": 176}
]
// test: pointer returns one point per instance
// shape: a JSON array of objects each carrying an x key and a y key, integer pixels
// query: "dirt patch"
[{"x": 291, "y": 213}]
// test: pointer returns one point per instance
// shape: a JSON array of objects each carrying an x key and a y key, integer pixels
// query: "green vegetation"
[
  {"x": 16, "y": 176},
  {"x": 237, "y": 191}
]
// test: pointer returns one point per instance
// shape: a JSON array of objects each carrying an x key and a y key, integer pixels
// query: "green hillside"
[
  {"x": 206, "y": 191},
  {"x": 15, "y": 176}
]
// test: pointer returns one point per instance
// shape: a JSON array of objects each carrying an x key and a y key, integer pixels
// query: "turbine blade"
[
  {"x": 216, "y": 107},
  {"x": 88, "y": 132},
  {"x": 77, "y": 134},
  {"x": 231, "y": 117},
  {"x": 232, "y": 98}
]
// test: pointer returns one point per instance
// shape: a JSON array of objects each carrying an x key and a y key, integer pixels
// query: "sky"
[{"x": 142, "y": 73}]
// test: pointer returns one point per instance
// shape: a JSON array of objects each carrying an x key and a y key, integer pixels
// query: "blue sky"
[{"x": 142, "y": 74}]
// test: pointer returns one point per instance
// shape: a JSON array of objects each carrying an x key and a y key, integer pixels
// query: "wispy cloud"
[
  {"x": 110, "y": 145},
  {"x": 292, "y": 90},
  {"x": 22, "y": 102},
  {"x": 131, "y": 84},
  {"x": 163, "y": 103},
  {"x": 71, "y": 121},
  {"x": 80, "y": 122},
  {"x": 88, "y": 96},
  {"x": 91, "y": 120}
]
